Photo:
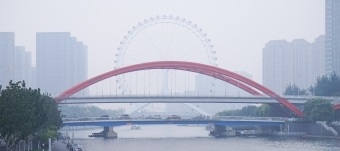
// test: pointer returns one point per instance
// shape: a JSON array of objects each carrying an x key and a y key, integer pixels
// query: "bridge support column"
[{"x": 109, "y": 132}]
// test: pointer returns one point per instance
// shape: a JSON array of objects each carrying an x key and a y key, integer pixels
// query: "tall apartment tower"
[
  {"x": 61, "y": 62},
  {"x": 23, "y": 66},
  {"x": 275, "y": 67},
  {"x": 298, "y": 62},
  {"x": 318, "y": 57},
  {"x": 332, "y": 39},
  {"x": 15, "y": 62},
  {"x": 7, "y": 47}
]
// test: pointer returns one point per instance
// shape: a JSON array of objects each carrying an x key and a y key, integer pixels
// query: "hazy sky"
[{"x": 238, "y": 29}]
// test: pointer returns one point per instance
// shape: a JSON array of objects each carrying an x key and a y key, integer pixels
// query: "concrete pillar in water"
[{"x": 109, "y": 132}]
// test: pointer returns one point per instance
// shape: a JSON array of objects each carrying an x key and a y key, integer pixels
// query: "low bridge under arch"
[{"x": 219, "y": 73}]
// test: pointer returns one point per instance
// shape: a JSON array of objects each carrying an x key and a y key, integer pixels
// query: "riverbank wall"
[{"x": 309, "y": 128}]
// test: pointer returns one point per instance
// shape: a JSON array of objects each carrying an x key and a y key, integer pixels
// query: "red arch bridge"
[{"x": 283, "y": 105}]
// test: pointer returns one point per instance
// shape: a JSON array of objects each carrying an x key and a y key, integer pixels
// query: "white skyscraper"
[
  {"x": 297, "y": 62},
  {"x": 7, "y": 47},
  {"x": 22, "y": 66},
  {"x": 300, "y": 61},
  {"x": 275, "y": 65},
  {"x": 15, "y": 62},
  {"x": 61, "y": 62},
  {"x": 318, "y": 57},
  {"x": 332, "y": 37}
]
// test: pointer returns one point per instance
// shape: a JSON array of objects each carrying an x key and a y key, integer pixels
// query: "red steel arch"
[{"x": 222, "y": 74}]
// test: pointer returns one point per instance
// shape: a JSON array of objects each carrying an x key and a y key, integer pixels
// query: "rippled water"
[{"x": 186, "y": 138}]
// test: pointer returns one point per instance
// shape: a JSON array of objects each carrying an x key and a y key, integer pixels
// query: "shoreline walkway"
[{"x": 59, "y": 146}]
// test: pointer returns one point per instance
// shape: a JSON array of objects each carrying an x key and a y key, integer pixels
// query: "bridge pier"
[{"x": 108, "y": 132}]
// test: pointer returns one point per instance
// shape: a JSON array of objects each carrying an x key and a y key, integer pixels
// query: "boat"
[{"x": 100, "y": 134}]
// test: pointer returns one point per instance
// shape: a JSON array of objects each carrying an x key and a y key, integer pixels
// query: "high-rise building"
[
  {"x": 22, "y": 66},
  {"x": 61, "y": 62},
  {"x": 318, "y": 57},
  {"x": 275, "y": 65},
  {"x": 7, "y": 47},
  {"x": 332, "y": 39},
  {"x": 298, "y": 62},
  {"x": 15, "y": 62}
]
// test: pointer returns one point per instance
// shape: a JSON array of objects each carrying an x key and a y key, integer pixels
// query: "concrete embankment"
[
  {"x": 326, "y": 137},
  {"x": 311, "y": 130}
]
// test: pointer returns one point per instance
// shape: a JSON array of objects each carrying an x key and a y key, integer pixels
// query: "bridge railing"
[
  {"x": 254, "y": 118},
  {"x": 179, "y": 117}
]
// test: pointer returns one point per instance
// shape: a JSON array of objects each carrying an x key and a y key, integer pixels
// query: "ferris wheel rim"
[{"x": 146, "y": 23}]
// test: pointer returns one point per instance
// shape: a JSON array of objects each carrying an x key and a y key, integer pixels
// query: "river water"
[{"x": 194, "y": 138}]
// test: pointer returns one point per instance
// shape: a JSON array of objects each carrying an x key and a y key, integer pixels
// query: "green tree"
[
  {"x": 273, "y": 110},
  {"x": 318, "y": 110},
  {"x": 24, "y": 112},
  {"x": 88, "y": 111},
  {"x": 326, "y": 86},
  {"x": 16, "y": 114},
  {"x": 234, "y": 112},
  {"x": 336, "y": 115},
  {"x": 294, "y": 90},
  {"x": 264, "y": 110},
  {"x": 249, "y": 110}
]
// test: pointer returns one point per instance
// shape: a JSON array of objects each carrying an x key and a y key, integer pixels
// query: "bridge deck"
[
  {"x": 114, "y": 123},
  {"x": 180, "y": 99}
]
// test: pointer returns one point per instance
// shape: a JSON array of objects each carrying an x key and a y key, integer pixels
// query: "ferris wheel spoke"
[
  {"x": 183, "y": 43},
  {"x": 192, "y": 53},
  {"x": 155, "y": 46},
  {"x": 162, "y": 38},
  {"x": 170, "y": 42},
  {"x": 148, "y": 50},
  {"x": 143, "y": 48}
]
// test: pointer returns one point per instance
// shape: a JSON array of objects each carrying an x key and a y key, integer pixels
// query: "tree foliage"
[
  {"x": 45, "y": 134},
  {"x": 88, "y": 111},
  {"x": 25, "y": 112},
  {"x": 250, "y": 110},
  {"x": 327, "y": 86},
  {"x": 294, "y": 90},
  {"x": 318, "y": 110},
  {"x": 336, "y": 115}
]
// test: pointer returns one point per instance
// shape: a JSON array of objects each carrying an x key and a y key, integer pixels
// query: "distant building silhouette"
[
  {"x": 209, "y": 86},
  {"x": 15, "y": 62},
  {"x": 332, "y": 42},
  {"x": 61, "y": 62},
  {"x": 298, "y": 62}
]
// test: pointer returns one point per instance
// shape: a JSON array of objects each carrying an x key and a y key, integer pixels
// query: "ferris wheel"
[{"x": 163, "y": 38}]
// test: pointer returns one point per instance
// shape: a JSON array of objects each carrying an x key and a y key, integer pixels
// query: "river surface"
[{"x": 194, "y": 138}]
